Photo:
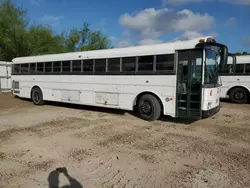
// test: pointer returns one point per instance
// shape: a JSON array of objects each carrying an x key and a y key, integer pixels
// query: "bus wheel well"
[
  {"x": 145, "y": 93},
  {"x": 242, "y": 87},
  {"x": 33, "y": 89}
]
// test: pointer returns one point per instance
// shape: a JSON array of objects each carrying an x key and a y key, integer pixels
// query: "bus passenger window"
[
  {"x": 39, "y": 67},
  {"x": 165, "y": 62},
  {"x": 76, "y": 66},
  {"x": 57, "y": 66},
  {"x": 247, "y": 68},
  {"x": 114, "y": 65},
  {"x": 87, "y": 66},
  {"x": 25, "y": 68},
  {"x": 100, "y": 65},
  {"x": 48, "y": 66},
  {"x": 239, "y": 68},
  {"x": 145, "y": 63},
  {"x": 128, "y": 64},
  {"x": 32, "y": 67},
  {"x": 16, "y": 68},
  {"x": 66, "y": 66}
]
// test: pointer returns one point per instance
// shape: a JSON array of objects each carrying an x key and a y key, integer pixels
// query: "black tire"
[
  {"x": 238, "y": 95},
  {"x": 37, "y": 96},
  {"x": 149, "y": 107}
]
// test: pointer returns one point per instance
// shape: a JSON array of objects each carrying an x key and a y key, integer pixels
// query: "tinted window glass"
[
  {"x": 128, "y": 64},
  {"x": 100, "y": 65},
  {"x": 24, "y": 68},
  {"x": 145, "y": 63},
  {"x": 165, "y": 62},
  {"x": 114, "y": 65},
  {"x": 48, "y": 66},
  {"x": 88, "y": 65},
  {"x": 76, "y": 66},
  {"x": 16, "y": 68},
  {"x": 239, "y": 68},
  {"x": 39, "y": 67},
  {"x": 57, "y": 66},
  {"x": 32, "y": 67},
  {"x": 247, "y": 68},
  {"x": 66, "y": 66}
]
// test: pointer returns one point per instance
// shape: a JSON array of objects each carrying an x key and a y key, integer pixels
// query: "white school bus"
[
  {"x": 178, "y": 79},
  {"x": 236, "y": 79}
]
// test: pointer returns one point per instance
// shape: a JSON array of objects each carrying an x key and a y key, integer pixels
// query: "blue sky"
[{"x": 130, "y": 22}]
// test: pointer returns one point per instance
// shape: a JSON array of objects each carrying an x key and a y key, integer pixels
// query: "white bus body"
[
  {"x": 5, "y": 76},
  {"x": 124, "y": 78},
  {"x": 236, "y": 81}
]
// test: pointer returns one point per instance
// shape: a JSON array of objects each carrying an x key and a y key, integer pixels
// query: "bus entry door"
[{"x": 189, "y": 83}]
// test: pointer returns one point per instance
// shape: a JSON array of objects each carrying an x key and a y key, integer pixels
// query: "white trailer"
[
  {"x": 179, "y": 79},
  {"x": 5, "y": 76}
]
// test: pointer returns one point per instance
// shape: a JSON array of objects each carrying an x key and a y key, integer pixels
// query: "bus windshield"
[{"x": 213, "y": 55}]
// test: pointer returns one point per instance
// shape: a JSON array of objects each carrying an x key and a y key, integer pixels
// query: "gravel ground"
[{"x": 110, "y": 148}]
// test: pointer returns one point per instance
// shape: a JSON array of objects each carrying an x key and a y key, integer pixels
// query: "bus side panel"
[
  {"x": 105, "y": 91},
  {"x": 231, "y": 81}
]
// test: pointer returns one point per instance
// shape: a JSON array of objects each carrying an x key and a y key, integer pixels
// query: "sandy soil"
[{"x": 110, "y": 148}]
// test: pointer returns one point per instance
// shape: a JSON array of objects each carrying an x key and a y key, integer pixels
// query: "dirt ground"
[{"x": 110, "y": 148}]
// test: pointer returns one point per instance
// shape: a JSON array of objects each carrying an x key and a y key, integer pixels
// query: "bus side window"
[
  {"x": 165, "y": 62},
  {"x": 25, "y": 68},
  {"x": 66, "y": 66},
  {"x": 87, "y": 65},
  {"x": 57, "y": 66},
  {"x": 16, "y": 68},
  {"x": 145, "y": 63},
  {"x": 128, "y": 64},
  {"x": 76, "y": 66},
  {"x": 247, "y": 68},
  {"x": 100, "y": 65},
  {"x": 32, "y": 67},
  {"x": 39, "y": 67},
  {"x": 239, "y": 68},
  {"x": 114, "y": 65},
  {"x": 48, "y": 66}
]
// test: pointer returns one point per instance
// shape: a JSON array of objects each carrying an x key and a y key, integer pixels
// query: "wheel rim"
[
  {"x": 239, "y": 96},
  {"x": 36, "y": 96},
  {"x": 146, "y": 108}
]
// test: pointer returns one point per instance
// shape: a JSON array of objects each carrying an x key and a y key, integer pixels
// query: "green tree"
[
  {"x": 13, "y": 35},
  {"x": 41, "y": 40},
  {"x": 86, "y": 39},
  {"x": 17, "y": 39}
]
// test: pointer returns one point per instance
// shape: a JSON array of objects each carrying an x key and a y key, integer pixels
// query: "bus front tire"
[
  {"x": 239, "y": 95},
  {"x": 37, "y": 96},
  {"x": 149, "y": 108}
]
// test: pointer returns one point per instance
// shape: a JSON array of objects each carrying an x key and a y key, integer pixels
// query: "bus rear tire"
[
  {"x": 238, "y": 95},
  {"x": 37, "y": 96},
  {"x": 149, "y": 107}
]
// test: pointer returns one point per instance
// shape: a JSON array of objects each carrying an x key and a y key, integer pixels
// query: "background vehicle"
[
  {"x": 236, "y": 79},
  {"x": 179, "y": 79},
  {"x": 5, "y": 76}
]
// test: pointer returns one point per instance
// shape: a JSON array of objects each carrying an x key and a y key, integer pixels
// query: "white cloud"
[
  {"x": 150, "y": 41},
  {"x": 188, "y": 35},
  {"x": 36, "y": 2},
  {"x": 153, "y": 23},
  {"x": 123, "y": 44},
  {"x": 51, "y": 20},
  {"x": 231, "y": 21}
]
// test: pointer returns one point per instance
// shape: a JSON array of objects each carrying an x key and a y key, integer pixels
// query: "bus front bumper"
[{"x": 211, "y": 112}]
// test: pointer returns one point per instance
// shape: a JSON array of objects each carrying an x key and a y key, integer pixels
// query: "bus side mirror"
[{"x": 223, "y": 60}]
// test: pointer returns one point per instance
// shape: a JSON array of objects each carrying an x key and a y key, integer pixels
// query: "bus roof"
[{"x": 164, "y": 48}]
